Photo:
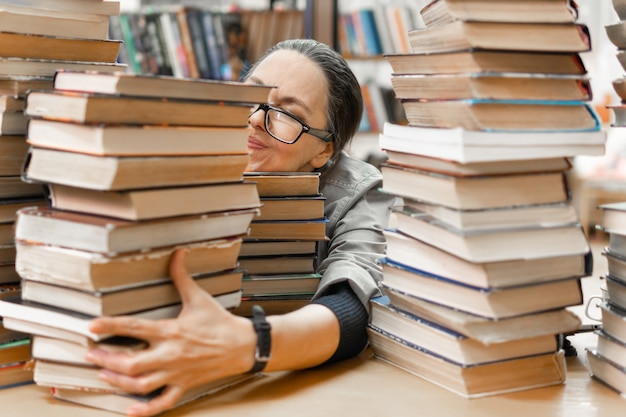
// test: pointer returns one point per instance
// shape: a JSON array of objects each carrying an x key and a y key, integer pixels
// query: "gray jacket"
[{"x": 357, "y": 214}]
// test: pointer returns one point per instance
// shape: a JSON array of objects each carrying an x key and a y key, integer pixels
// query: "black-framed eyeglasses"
[{"x": 287, "y": 128}]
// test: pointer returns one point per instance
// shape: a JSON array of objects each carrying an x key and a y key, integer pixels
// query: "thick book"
[
  {"x": 281, "y": 184},
  {"x": 611, "y": 348},
  {"x": 280, "y": 264},
  {"x": 15, "y": 351},
  {"x": 612, "y": 219},
  {"x": 501, "y": 115},
  {"x": 616, "y": 290},
  {"x": 260, "y": 247},
  {"x": 67, "y": 351},
  {"x": 314, "y": 229},
  {"x": 495, "y": 303},
  {"x": 472, "y": 169},
  {"x": 119, "y": 402},
  {"x": 106, "y": 108},
  {"x": 516, "y": 36},
  {"x": 417, "y": 254},
  {"x": 486, "y": 61},
  {"x": 13, "y": 66},
  {"x": 492, "y": 245},
  {"x": 466, "y": 146},
  {"x": 127, "y": 172},
  {"x": 115, "y": 236},
  {"x": 24, "y": 45},
  {"x": 10, "y": 206},
  {"x": 613, "y": 321},
  {"x": 280, "y": 284},
  {"x": 16, "y": 85},
  {"x": 155, "y": 203},
  {"x": 147, "y": 85},
  {"x": 16, "y": 374},
  {"x": 12, "y": 186},
  {"x": 13, "y": 150},
  {"x": 492, "y": 85},
  {"x": 617, "y": 243},
  {"x": 487, "y": 330},
  {"x": 450, "y": 344},
  {"x": 499, "y": 217},
  {"x": 107, "y": 7},
  {"x": 616, "y": 264},
  {"x": 127, "y": 300},
  {"x": 291, "y": 208},
  {"x": 470, "y": 381},
  {"x": 475, "y": 193},
  {"x": 439, "y": 12},
  {"x": 92, "y": 271},
  {"x": 606, "y": 371},
  {"x": 120, "y": 140}
]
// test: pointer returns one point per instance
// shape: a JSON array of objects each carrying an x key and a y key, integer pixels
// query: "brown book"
[
  {"x": 487, "y": 330},
  {"x": 616, "y": 32},
  {"x": 497, "y": 86},
  {"x": 7, "y": 234},
  {"x": 126, "y": 172},
  {"x": 493, "y": 245},
  {"x": 13, "y": 123},
  {"x": 102, "y": 108},
  {"x": 474, "y": 193},
  {"x": 9, "y": 207},
  {"x": 94, "y": 271},
  {"x": 114, "y": 236},
  {"x": 126, "y": 84},
  {"x": 7, "y": 253},
  {"x": 494, "y": 303},
  {"x": 118, "y": 140},
  {"x": 280, "y": 184},
  {"x": 12, "y": 186},
  {"x": 19, "y": 85},
  {"x": 448, "y": 167},
  {"x": 13, "y": 150},
  {"x": 470, "y": 381},
  {"x": 549, "y": 37},
  {"x": 256, "y": 247},
  {"x": 288, "y": 229},
  {"x": 126, "y": 300},
  {"x": 109, "y": 7},
  {"x": 273, "y": 265},
  {"x": 8, "y": 274},
  {"x": 272, "y": 304},
  {"x": 479, "y": 60},
  {"x": 51, "y": 22},
  {"x": 280, "y": 285},
  {"x": 439, "y": 12},
  {"x": 13, "y": 66},
  {"x": 619, "y": 85},
  {"x": 292, "y": 208},
  {"x": 156, "y": 203},
  {"x": 71, "y": 389},
  {"x": 16, "y": 374},
  {"x": 450, "y": 344},
  {"x": 471, "y": 146},
  {"x": 15, "y": 351},
  {"x": 415, "y": 253},
  {"x": 484, "y": 115},
  {"x": 22, "y": 45},
  {"x": 11, "y": 103}
]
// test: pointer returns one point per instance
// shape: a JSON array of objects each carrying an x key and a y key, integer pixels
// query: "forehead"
[{"x": 295, "y": 76}]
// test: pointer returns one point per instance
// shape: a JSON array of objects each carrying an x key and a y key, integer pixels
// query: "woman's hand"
[{"x": 204, "y": 343}]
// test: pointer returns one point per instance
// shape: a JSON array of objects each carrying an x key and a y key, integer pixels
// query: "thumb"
[{"x": 185, "y": 285}]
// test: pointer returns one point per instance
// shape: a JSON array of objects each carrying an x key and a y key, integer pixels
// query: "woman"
[{"x": 312, "y": 114}]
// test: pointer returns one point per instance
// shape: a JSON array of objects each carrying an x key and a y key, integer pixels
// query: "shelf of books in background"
[
  {"x": 195, "y": 42},
  {"x": 607, "y": 360},
  {"x": 366, "y": 31},
  {"x": 486, "y": 253},
  {"x": 279, "y": 256},
  {"x": 135, "y": 166},
  {"x": 37, "y": 38}
]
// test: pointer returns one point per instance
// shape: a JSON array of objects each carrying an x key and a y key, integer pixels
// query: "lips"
[{"x": 255, "y": 143}]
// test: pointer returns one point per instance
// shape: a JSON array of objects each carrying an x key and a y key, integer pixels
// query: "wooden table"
[{"x": 361, "y": 387}]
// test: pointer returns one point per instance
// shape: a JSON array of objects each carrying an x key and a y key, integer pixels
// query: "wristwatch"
[{"x": 264, "y": 339}]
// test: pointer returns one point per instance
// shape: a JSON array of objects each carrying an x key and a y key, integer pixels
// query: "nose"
[{"x": 257, "y": 119}]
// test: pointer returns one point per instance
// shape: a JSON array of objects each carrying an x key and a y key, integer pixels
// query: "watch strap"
[{"x": 262, "y": 328}]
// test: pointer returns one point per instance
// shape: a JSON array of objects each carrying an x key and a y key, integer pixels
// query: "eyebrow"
[{"x": 287, "y": 99}]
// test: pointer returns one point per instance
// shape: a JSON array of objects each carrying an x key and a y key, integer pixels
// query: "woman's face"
[{"x": 301, "y": 90}]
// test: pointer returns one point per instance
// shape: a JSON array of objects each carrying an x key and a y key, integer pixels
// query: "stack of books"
[
  {"x": 135, "y": 167},
  {"x": 38, "y": 38},
  {"x": 279, "y": 256},
  {"x": 487, "y": 252},
  {"x": 607, "y": 361}
]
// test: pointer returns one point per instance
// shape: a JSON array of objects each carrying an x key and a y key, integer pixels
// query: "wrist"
[{"x": 263, "y": 349}]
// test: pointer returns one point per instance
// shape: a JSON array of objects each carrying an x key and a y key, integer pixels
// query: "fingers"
[
  {"x": 127, "y": 326},
  {"x": 185, "y": 285},
  {"x": 166, "y": 400}
]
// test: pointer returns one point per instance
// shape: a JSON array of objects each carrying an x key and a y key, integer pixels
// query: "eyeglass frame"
[{"x": 324, "y": 135}]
